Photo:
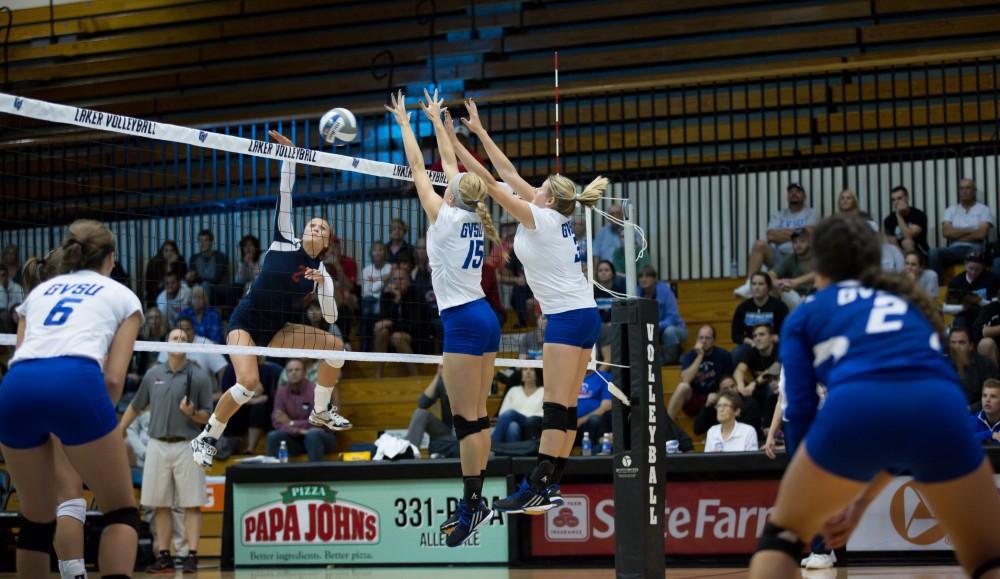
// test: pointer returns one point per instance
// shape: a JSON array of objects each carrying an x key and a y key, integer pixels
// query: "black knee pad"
[
  {"x": 986, "y": 567},
  {"x": 126, "y": 516},
  {"x": 464, "y": 427},
  {"x": 554, "y": 416},
  {"x": 36, "y": 536},
  {"x": 775, "y": 538},
  {"x": 484, "y": 423},
  {"x": 571, "y": 418}
]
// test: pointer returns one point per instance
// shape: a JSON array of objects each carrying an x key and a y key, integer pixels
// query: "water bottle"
[
  {"x": 586, "y": 446},
  {"x": 283, "y": 452},
  {"x": 606, "y": 443}
]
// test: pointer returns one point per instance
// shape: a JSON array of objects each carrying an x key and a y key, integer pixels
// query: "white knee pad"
[
  {"x": 334, "y": 363},
  {"x": 240, "y": 394},
  {"x": 74, "y": 508}
]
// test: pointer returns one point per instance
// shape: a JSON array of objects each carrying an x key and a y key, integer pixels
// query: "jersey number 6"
[{"x": 60, "y": 312}]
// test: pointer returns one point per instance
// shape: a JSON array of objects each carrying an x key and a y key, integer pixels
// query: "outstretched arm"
[
  {"x": 430, "y": 200},
  {"x": 284, "y": 232},
  {"x": 514, "y": 205},
  {"x": 503, "y": 165},
  {"x": 432, "y": 109}
]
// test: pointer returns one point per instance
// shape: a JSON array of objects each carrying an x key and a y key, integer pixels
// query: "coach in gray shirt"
[{"x": 178, "y": 395}]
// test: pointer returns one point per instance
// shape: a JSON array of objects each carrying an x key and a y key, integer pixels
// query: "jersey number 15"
[{"x": 475, "y": 257}]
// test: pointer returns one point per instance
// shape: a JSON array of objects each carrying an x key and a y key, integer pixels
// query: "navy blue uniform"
[{"x": 894, "y": 401}]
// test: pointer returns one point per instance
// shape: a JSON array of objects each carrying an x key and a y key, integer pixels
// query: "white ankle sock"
[
  {"x": 72, "y": 569},
  {"x": 321, "y": 398},
  {"x": 215, "y": 427}
]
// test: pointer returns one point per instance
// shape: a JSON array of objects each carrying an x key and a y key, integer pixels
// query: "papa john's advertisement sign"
[{"x": 357, "y": 523}]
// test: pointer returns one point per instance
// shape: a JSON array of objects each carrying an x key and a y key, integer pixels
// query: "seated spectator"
[
  {"x": 397, "y": 318},
  {"x": 120, "y": 275},
  {"x": 892, "y": 258},
  {"x": 780, "y": 228},
  {"x": 671, "y": 325},
  {"x": 906, "y": 226},
  {"x": 209, "y": 268},
  {"x": 313, "y": 317},
  {"x": 11, "y": 295},
  {"x": 701, "y": 370},
  {"x": 398, "y": 248},
  {"x": 970, "y": 290},
  {"x": 443, "y": 442},
  {"x": 207, "y": 320},
  {"x": 915, "y": 268},
  {"x": 793, "y": 276},
  {"x": 708, "y": 417},
  {"x": 580, "y": 233},
  {"x": 344, "y": 271},
  {"x": 973, "y": 369},
  {"x": 618, "y": 257},
  {"x": 167, "y": 260},
  {"x": 607, "y": 279},
  {"x": 373, "y": 278},
  {"x": 529, "y": 344},
  {"x": 154, "y": 329},
  {"x": 757, "y": 375},
  {"x": 986, "y": 423},
  {"x": 292, "y": 404},
  {"x": 520, "y": 414},
  {"x": 213, "y": 364},
  {"x": 522, "y": 300},
  {"x": 255, "y": 420},
  {"x": 499, "y": 258},
  {"x": 248, "y": 267},
  {"x": 12, "y": 261},
  {"x": 593, "y": 406},
  {"x": 608, "y": 238},
  {"x": 848, "y": 203},
  {"x": 729, "y": 435},
  {"x": 174, "y": 298},
  {"x": 491, "y": 287},
  {"x": 966, "y": 225},
  {"x": 760, "y": 308},
  {"x": 429, "y": 328},
  {"x": 986, "y": 331}
]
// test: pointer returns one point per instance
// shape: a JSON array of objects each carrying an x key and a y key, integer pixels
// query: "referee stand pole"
[{"x": 639, "y": 441}]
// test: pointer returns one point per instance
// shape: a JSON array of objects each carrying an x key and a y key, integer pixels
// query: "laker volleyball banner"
[{"x": 357, "y": 523}]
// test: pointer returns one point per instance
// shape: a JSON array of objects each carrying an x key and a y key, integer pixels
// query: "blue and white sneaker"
[
  {"x": 527, "y": 500},
  {"x": 469, "y": 521},
  {"x": 555, "y": 496},
  {"x": 203, "y": 449}
]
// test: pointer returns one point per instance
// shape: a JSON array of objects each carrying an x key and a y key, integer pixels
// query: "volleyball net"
[{"x": 193, "y": 210}]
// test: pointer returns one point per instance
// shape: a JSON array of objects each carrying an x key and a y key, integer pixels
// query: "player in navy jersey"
[
  {"x": 547, "y": 247},
  {"x": 874, "y": 340},
  {"x": 455, "y": 246},
  {"x": 289, "y": 273},
  {"x": 74, "y": 343}
]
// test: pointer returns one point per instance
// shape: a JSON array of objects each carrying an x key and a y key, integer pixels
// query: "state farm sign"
[{"x": 700, "y": 518}]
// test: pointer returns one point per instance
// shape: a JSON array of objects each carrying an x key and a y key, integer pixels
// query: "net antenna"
[{"x": 556, "y": 79}]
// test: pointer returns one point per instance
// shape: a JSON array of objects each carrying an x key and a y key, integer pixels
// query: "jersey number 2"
[
  {"x": 885, "y": 305},
  {"x": 475, "y": 257},
  {"x": 60, "y": 312}
]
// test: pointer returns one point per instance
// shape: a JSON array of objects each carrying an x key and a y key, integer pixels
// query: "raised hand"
[
  {"x": 432, "y": 106},
  {"x": 280, "y": 139},
  {"x": 472, "y": 122},
  {"x": 313, "y": 274},
  {"x": 398, "y": 109}
]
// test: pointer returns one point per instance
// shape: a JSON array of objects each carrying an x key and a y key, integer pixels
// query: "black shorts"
[{"x": 261, "y": 325}]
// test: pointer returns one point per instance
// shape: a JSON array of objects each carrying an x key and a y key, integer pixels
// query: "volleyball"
[{"x": 338, "y": 127}]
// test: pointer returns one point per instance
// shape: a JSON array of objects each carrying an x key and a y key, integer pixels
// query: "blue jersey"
[{"x": 847, "y": 333}]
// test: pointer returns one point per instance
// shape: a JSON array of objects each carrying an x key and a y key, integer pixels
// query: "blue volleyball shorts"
[{"x": 471, "y": 328}]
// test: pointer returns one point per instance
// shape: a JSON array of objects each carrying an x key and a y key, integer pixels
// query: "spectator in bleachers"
[
  {"x": 178, "y": 395},
  {"x": 848, "y": 203},
  {"x": 607, "y": 277},
  {"x": 672, "y": 328},
  {"x": 463, "y": 134},
  {"x": 522, "y": 299},
  {"x": 213, "y": 364},
  {"x": 429, "y": 329},
  {"x": 255, "y": 420},
  {"x": 207, "y": 319},
  {"x": 593, "y": 406},
  {"x": 529, "y": 344},
  {"x": 491, "y": 287},
  {"x": 168, "y": 259},
  {"x": 893, "y": 260},
  {"x": 973, "y": 369},
  {"x": 915, "y": 267},
  {"x": 443, "y": 442},
  {"x": 892, "y": 257},
  {"x": 618, "y": 258},
  {"x": 757, "y": 375},
  {"x": 313, "y": 317},
  {"x": 520, "y": 414},
  {"x": 580, "y": 232},
  {"x": 11, "y": 295},
  {"x": 292, "y": 404},
  {"x": 248, "y": 267},
  {"x": 608, "y": 239},
  {"x": 760, "y": 308},
  {"x": 373, "y": 278},
  {"x": 421, "y": 273},
  {"x": 154, "y": 329},
  {"x": 344, "y": 271},
  {"x": 729, "y": 435},
  {"x": 778, "y": 245},
  {"x": 12, "y": 261},
  {"x": 966, "y": 225},
  {"x": 120, "y": 275},
  {"x": 793, "y": 276},
  {"x": 986, "y": 331},
  {"x": 174, "y": 298},
  {"x": 399, "y": 313},
  {"x": 398, "y": 247},
  {"x": 499, "y": 258},
  {"x": 986, "y": 423},
  {"x": 209, "y": 268},
  {"x": 701, "y": 370},
  {"x": 707, "y": 417},
  {"x": 906, "y": 226},
  {"x": 970, "y": 290}
]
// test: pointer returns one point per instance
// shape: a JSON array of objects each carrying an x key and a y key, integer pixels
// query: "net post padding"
[{"x": 639, "y": 441}]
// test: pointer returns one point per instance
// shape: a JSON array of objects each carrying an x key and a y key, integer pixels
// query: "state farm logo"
[
  {"x": 569, "y": 522},
  {"x": 912, "y": 517},
  {"x": 309, "y": 514}
]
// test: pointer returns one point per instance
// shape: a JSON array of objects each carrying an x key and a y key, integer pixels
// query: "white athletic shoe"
[
  {"x": 821, "y": 560},
  {"x": 819, "y": 573},
  {"x": 743, "y": 291},
  {"x": 330, "y": 420},
  {"x": 806, "y": 560},
  {"x": 203, "y": 450}
]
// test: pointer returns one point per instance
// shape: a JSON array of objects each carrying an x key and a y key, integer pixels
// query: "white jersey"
[
  {"x": 76, "y": 314},
  {"x": 455, "y": 251},
  {"x": 552, "y": 263}
]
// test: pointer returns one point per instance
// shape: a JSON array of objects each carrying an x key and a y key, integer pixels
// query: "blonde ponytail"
[
  {"x": 563, "y": 192},
  {"x": 592, "y": 193},
  {"x": 484, "y": 215}
]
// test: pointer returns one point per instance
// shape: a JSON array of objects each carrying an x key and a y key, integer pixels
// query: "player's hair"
[
  {"x": 845, "y": 247},
  {"x": 85, "y": 247},
  {"x": 767, "y": 279},
  {"x": 734, "y": 399},
  {"x": 563, "y": 192},
  {"x": 472, "y": 189}
]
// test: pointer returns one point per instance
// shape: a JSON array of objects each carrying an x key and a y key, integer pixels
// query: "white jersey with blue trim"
[
  {"x": 75, "y": 314},
  {"x": 455, "y": 250},
  {"x": 552, "y": 262}
]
